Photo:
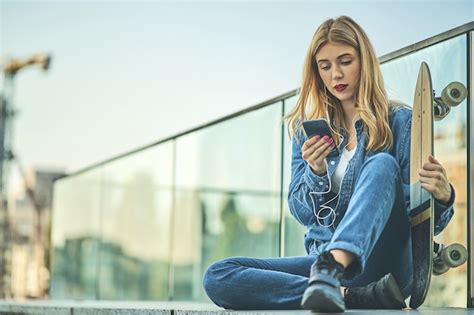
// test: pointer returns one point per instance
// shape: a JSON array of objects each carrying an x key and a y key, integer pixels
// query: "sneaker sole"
[{"x": 315, "y": 299}]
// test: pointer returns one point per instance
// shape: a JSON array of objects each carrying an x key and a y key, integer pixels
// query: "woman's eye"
[{"x": 344, "y": 63}]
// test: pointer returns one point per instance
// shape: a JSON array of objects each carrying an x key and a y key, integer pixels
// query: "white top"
[{"x": 340, "y": 171}]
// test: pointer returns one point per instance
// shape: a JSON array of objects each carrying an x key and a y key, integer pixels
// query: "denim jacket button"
[
  {"x": 321, "y": 199},
  {"x": 332, "y": 162},
  {"x": 321, "y": 183}
]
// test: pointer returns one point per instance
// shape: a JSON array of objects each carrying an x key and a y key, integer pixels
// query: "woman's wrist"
[
  {"x": 320, "y": 174},
  {"x": 448, "y": 201}
]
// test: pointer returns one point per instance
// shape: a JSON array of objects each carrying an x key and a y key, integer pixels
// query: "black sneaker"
[
  {"x": 383, "y": 294},
  {"x": 323, "y": 293}
]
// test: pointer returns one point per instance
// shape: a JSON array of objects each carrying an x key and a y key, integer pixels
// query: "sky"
[{"x": 125, "y": 74}]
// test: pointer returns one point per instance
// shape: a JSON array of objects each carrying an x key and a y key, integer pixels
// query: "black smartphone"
[{"x": 319, "y": 127}]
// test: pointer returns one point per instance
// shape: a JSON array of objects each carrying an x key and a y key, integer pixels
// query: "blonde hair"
[{"x": 371, "y": 99}]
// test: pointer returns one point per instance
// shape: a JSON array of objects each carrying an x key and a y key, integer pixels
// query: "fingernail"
[
  {"x": 326, "y": 138},
  {"x": 329, "y": 141}
]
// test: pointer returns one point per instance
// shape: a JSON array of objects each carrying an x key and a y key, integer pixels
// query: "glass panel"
[
  {"x": 294, "y": 231},
  {"x": 447, "y": 62},
  {"x": 137, "y": 202},
  {"x": 75, "y": 236},
  {"x": 227, "y": 197}
]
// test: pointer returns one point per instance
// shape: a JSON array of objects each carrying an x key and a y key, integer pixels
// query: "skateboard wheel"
[
  {"x": 454, "y": 255},
  {"x": 439, "y": 269},
  {"x": 454, "y": 93}
]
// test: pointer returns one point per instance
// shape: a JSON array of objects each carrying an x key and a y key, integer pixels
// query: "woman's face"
[{"x": 339, "y": 64}]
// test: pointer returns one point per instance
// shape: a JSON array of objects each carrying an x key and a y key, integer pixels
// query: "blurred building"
[{"x": 30, "y": 234}]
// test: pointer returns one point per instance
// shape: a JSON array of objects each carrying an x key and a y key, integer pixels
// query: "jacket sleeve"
[
  {"x": 443, "y": 212},
  {"x": 303, "y": 181}
]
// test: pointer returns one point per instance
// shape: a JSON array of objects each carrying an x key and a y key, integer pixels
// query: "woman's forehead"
[{"x": 334, "y": 51}]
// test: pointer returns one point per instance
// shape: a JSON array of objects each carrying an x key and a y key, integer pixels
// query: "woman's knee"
[{"x": 383, "y": 162}]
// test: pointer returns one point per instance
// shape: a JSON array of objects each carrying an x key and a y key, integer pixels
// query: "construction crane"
[{"x": 7, "y": 112}]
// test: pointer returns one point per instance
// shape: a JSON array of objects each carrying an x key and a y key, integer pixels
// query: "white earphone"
[{"x": 319, "y": 214}]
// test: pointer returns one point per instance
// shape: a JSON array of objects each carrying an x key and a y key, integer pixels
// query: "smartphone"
[{"x": 319, "y": 127}]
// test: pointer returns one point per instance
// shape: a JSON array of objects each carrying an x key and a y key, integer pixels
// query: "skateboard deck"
[{"x": 421, "y": 201}]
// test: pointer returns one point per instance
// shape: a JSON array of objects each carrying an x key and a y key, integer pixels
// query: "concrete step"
[{"x": 73, "y": 307}]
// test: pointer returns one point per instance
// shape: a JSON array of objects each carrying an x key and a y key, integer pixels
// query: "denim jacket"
[{"x": 303, "y": 180}]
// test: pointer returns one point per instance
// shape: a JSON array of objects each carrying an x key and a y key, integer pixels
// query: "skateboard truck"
[
  {"x": 446, "y": 257},
  {"x": 452, "y": 95}
]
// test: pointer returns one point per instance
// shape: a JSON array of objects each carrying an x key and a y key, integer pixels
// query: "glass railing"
[
  {"x": 146, "y": 225},
  {"x": 227, "y": 195},
  {"x": 137, "y": 206},
  {"x": 76, "y": 235}
]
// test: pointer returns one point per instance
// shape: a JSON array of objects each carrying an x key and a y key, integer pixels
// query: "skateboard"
[{"x": 428, "y": 257}]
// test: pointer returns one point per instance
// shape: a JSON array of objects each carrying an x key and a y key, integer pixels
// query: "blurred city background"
[{"x": 107, "y": 96}]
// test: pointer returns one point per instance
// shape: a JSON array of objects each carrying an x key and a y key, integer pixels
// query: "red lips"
[{"x": 340, "y": 87}]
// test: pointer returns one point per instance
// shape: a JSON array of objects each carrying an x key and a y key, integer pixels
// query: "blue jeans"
[{"x": 375, "y": 228}]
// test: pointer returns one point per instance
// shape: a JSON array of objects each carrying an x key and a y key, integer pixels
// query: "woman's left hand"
[{"x": 433, "y": 178}]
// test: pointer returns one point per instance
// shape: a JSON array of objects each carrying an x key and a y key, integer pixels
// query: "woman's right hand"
[{"x": 315, "y": 150}]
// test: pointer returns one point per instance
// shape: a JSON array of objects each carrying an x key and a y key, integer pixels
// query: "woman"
[{"x": 355, "y": 205}]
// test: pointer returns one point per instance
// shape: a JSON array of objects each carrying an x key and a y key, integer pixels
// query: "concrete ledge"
[{"x": 72, "y": 307}]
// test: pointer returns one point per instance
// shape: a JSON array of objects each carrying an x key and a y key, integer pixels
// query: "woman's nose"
[{"x": 337, "y": 73}]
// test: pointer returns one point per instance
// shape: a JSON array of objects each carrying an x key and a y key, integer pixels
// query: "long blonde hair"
[{"x": 371, "y": 100}]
